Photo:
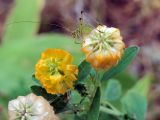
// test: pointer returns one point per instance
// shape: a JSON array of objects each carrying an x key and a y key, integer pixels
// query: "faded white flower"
[{"x": 30, "y": 107}]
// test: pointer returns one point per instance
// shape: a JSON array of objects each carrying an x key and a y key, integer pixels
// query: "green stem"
[
  {"x": 110, "y": 111},
  {"x": 109, "y": 105},
  {"x": 98, "y": 78}
]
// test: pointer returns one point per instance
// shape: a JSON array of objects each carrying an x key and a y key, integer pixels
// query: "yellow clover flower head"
[
  {"x": 103, "y": 47},
  {"x": 55, "y": 71}
]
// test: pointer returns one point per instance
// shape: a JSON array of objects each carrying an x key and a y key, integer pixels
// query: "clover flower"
[
  {"x": 55, "y": 71},
  {"x": 30, "y": 107},
  {"x": 103, "y": 47}
]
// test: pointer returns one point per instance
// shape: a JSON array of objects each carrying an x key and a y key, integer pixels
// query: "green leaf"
[
  {"x": 93, "y": 113},
  {"x": 84, "y": 70},
  {"x": 134, "y": 105},
  {"x": 35, "y": 80},
  {"x": 135, "y": 101},
  {"x": 142, "y": 86},
  {"x": 126, "y": 80},
  {"x": 113, "y": 90},
  {"x": 129, "y": 54},
  {"x": 22, "y": 21},
  {"x": 39, "y": 91}
]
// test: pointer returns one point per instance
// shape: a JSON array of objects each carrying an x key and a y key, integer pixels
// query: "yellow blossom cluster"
[{"x": 55, "y": 71}]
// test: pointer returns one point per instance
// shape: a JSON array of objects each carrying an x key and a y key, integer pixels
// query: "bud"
[
  {"x": 30, "y": 107},
  {"x": 103, "y": 47}
]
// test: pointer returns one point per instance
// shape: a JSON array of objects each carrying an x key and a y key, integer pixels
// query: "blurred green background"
[{"x": 27, "y": 27}]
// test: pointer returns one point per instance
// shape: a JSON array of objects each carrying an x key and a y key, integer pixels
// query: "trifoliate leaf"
[{"x": 128, "y": 56}]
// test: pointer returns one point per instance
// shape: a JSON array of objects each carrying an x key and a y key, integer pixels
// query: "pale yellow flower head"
[
  {"x": 103, "y": 47},
  {"x": 55, "y": 71},
  {"x": 30, "y": 107}
]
